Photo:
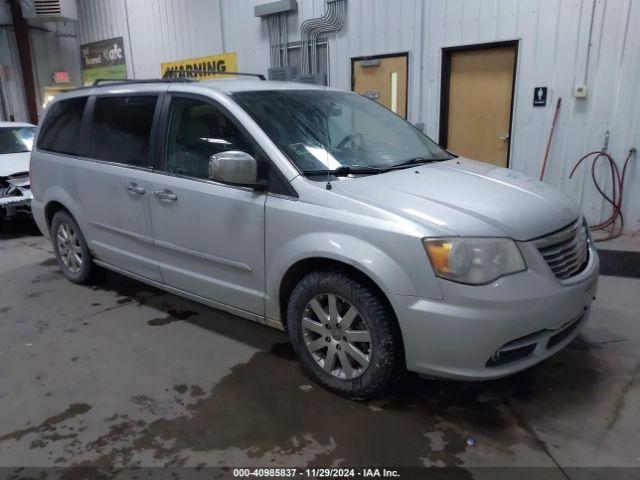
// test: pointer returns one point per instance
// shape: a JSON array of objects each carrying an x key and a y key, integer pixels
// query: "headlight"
[{"x": 474, "y": 261}]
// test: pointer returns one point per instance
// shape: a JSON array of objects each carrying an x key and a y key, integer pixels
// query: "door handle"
[
  {"x": 165, "y": 195},
  {"x": 506, "y": 137},
  {"x": 134, "y": 189}
]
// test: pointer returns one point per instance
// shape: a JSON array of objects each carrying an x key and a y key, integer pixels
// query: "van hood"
[
  {"x": 12, "y": 163},
  {"x": 465, "y": 197}
]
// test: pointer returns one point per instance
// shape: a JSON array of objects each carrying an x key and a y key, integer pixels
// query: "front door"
[
  {"x": 477, "y": 101},
  {"x": 383, "y": 79},
  {"x": 209, "y": 236}
]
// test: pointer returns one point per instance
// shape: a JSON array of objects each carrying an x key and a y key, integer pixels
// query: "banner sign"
[
  {"x": 224, "y": 62},
  {"x": 103, "y": 59}
]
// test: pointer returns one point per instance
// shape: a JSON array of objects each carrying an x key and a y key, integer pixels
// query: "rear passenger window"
[
  {"x": 61, "y": 127},
  {"x": 121, "y": 129}
]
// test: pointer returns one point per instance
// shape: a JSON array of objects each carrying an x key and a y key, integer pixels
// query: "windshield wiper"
[
  {"x": 344, "y": 170},
  {"x": 414, "y": 161}
]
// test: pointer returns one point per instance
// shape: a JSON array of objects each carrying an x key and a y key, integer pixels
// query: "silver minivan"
[{"x": 318, "y": 212}]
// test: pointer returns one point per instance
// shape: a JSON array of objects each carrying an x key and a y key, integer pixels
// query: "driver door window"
[{"x": 198, "y": 130}]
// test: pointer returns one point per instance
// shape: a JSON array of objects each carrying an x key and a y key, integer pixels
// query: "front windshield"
[
  {"x": 326, "y": 130},
  {"x": 16, "y": 139}
]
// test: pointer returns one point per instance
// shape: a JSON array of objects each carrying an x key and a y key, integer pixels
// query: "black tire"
[
  {"x": 88, "y": 272},
  {"x": 386, "y": 356}
]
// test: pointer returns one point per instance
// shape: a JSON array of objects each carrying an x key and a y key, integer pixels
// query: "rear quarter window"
[{"x": 61, "y": 127}]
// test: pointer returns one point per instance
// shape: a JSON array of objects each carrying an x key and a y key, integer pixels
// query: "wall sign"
[
  {"x": 540, "y": 97},
  {"x": 103, "y": 59},
  {"x": 224, "y": 62},
  {"x": 60, "y": 77}
]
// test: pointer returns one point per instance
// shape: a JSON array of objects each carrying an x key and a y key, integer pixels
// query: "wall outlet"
[{"x": 580, "y": 91}]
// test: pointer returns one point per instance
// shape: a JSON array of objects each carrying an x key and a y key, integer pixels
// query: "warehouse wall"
[
  {"x": 54, "y": 47},
  {"x": 154, "y": 31},
  {"x": 553, "y": 34},
  {"x": 10, "y": 72}
]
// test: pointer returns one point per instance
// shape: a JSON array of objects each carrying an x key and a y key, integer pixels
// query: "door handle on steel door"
[
  {"x": 165, "y": 195},
  {"x": 134, "y": 189}
]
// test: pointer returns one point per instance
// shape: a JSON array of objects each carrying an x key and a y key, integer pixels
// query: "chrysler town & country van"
[{"x": 318, "y": 212}]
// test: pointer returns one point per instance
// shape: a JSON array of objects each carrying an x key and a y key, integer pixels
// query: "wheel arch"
[
  {"x": 56, "y": 199},
  {"x": 51, "y": 209},
  {"x": 301, "y": 268}
]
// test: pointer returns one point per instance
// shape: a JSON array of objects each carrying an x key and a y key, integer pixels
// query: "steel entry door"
[
  {"x": 383, "y": 79},
  {"x": 478, "y": 114}
]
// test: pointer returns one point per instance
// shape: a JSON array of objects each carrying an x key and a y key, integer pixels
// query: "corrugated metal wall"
[
  {"x": 553, "y": 35},
  {"x": 154, "y": 31},
  {"x": 54, "y": 47},
  {"x": 10, "y": 72}
]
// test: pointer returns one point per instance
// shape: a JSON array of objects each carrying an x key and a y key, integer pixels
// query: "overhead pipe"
[
  {"x": 271, "y": 27},
  {"x": 308, "y": 26},
  {"x": 284, "y": 42},
  {"x": 278, "y": 39},
  {"x": 331, "y": 21},
  {"x": 327, "y": 24},
  {"x": 335, "y": 25}
]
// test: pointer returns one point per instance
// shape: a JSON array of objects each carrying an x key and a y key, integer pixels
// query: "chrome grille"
[{"x": 567, "y": 251}]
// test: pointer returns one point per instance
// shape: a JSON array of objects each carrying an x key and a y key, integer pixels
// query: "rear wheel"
[
  {"x": 71, "y": 250},
  {"x": 345, "y": 336}
]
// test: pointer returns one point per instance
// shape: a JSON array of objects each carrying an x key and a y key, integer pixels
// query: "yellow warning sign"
[{"x": 223, "y": 62}]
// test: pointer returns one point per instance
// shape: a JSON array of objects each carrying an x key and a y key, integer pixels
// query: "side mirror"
[{"x": 235, "y": 167}]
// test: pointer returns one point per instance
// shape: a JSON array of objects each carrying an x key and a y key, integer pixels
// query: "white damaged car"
[{"x": 16, "y": 140}]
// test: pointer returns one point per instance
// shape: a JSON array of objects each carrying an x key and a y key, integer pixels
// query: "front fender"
[{"x": 379, "y": 266}]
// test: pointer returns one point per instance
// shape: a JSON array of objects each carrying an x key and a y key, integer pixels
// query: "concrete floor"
[{"x": 124, "y": 374}]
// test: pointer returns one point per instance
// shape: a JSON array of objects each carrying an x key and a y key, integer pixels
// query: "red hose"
[{"x": 617, "y": 189}]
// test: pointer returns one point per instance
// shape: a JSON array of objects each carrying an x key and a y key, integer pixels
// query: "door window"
[
  {"x": 61, "y": 127},
  {"x": 198, "y": 130},
  {"x": 121, "y": 129}
]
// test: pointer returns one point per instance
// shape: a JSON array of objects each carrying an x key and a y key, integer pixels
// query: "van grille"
[{"x": 567, "y": 251}]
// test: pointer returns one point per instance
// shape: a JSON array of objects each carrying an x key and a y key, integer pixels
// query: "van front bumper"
[
  {"x": 491, "y": 331},
  {"x": 15, "y": 203}
]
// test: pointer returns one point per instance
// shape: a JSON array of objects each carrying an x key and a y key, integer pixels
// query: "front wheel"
[{"x": 344, "y": 335}]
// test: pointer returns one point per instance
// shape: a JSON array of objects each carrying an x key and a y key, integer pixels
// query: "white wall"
[
  {"x": 10, "y": 64},
  {"x": 54, "y": 47},
  {"x": 154, "y": 31},
  {"x": 553, "y": 38}
]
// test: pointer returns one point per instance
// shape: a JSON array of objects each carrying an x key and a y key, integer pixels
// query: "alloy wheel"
[
  {"x": 69, "y": 247},
  {"x": 337, "y": 336}
]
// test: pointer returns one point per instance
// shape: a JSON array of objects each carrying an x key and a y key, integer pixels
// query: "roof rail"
[
  {"x": 99, "y": 81},
  {"x": 187, "y": 74}
]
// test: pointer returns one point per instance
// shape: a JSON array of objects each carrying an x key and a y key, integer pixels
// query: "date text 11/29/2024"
[{"x": 315, "y": 473}]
